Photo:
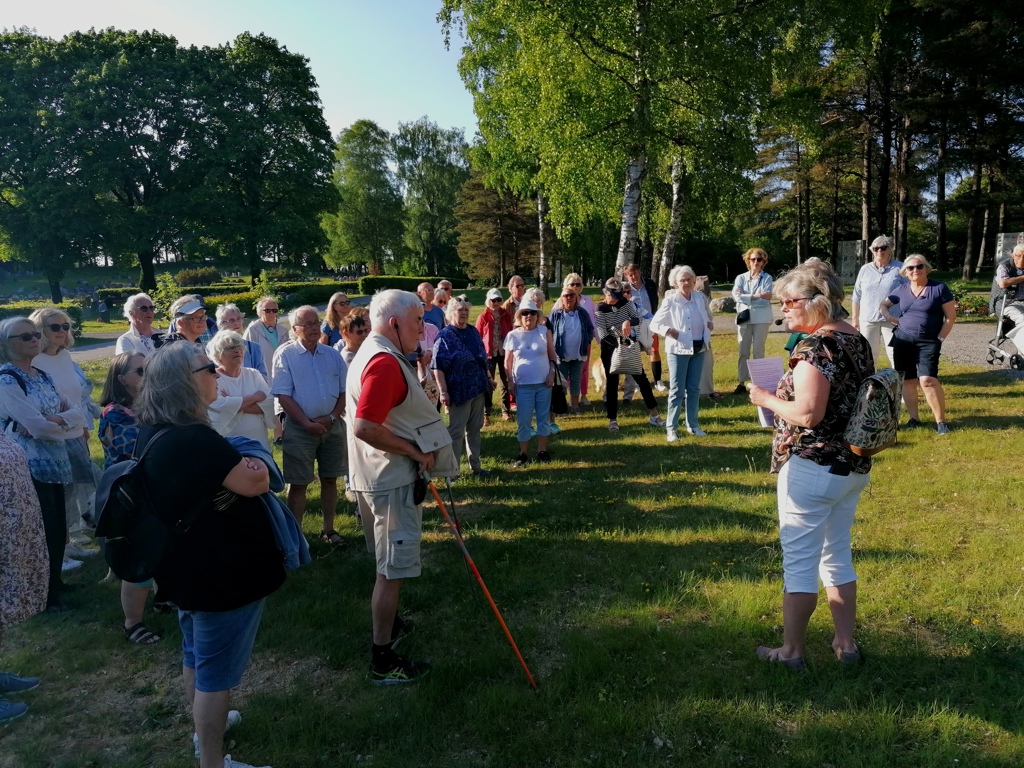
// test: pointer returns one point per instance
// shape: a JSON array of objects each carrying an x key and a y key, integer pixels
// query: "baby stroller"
[{"x": 1002, "y": 348}]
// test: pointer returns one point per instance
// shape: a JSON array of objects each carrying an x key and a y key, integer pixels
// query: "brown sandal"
[{"x": 333, "y": 537}]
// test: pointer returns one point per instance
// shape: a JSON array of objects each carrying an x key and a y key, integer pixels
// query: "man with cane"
[{"x": 395, "y": 436}]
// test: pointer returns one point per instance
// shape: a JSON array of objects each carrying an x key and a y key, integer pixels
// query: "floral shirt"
[
  {"x": 47, "y": 457},
  {"x": 118, "y": 432},
  {"x": 844, "y": 359},
  {"x": 459, "y": 354}
]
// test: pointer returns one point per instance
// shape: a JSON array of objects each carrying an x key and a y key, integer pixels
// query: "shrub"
[
  {"x": 200, "y": 276},
  {"x": 370, "y": 284},
  {"x": 245, "y": 302},
  {"x": 26, "y": 308},
  {"x": 285, "y": 275}
]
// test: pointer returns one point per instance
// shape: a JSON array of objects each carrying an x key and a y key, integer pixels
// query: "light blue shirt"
[
  {"x": 314, "y": 380},
  {"x": 873, "y": 286}
]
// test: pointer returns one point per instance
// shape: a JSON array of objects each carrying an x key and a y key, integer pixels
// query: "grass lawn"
[{"x": 637, "y": 577}]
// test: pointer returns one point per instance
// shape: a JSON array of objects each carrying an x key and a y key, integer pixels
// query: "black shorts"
[{"x": 915, "y": 357}]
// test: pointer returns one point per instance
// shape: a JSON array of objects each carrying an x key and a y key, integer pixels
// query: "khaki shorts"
[
  {"x": 300, "y": 449},
  {"x": 397, "y": 530}
]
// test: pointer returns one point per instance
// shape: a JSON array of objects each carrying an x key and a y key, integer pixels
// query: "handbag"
[
  {"x": 743, "y": 316},
  {"x": 626, "y": 359},
  {"x": 559, "y": 404},
  {"x": 874, "y": 421}
]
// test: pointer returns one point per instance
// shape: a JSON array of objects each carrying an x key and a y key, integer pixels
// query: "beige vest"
[{"x": 413, "y": 419}]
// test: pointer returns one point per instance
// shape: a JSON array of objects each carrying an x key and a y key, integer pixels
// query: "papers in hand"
[{"x": 765, "y": 373}]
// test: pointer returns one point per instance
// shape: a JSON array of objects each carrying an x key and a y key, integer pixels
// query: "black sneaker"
[
  {"x": 911, "y": 423},
  {"x": 741, "y": 389},
  {"x": 400, "y": 630},
  {"x": 543, "y": 456},
  {"x": 521, "y": 461},
  {"x": 397, "y": 671}
]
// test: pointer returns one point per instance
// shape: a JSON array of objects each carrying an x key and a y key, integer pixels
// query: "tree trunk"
[
  {"x": 675, "y": 222},
  {"x": 984, "y": 227},
  {"x": 543, "y": 232},
  {"x": 807, "y": 214},
  {"x": 903, "y": 193},
  {"x": 972, "y": 221},
  {"x": 833, "y": 239},
  {"x": 885, "y": 158},
  {"x": 941, "y": 253},
  {"x": 865, "y": 177},
  {"x": 628, "y": 234},
  {"x": 147, "y": 276}
]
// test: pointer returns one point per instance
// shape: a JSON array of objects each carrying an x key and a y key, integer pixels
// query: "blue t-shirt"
[
  {"x": 434, "y": 315},
  {"x": 333, "y": 334},
  {"x": 459, "y": 354},
  {"x": 921, "y": 317}
]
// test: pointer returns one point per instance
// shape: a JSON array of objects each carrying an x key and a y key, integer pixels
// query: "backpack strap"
[
  {"x": 15, "y": 373},
  {"x": 186, "y": 521}
]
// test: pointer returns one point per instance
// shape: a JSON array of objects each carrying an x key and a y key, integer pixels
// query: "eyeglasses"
[
  {"x": 306, "y": 325},
  {"x": 360, "y": 331},
  {"x": 341, "y": 303},
  {"x": 270, "y": 310},
  {"x": 575, "y": 285},
  {"x": 880, "y": 248},
  {"x": 58, "y": 327},
  {"x": 192, "y": 319},
  {"x": 26, "y": 336},
  {"x": 137, "y": 371},
  {"x": 790, "y": 303},
  {"x": 527, "y": 313},
  {"x": 497, "y": 299},
  {"x": 209, "y": 368},
  {"x": 147, "y": 308},
  {"x": 913, "y": 267}
]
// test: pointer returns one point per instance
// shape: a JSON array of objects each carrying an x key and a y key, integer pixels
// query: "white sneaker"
[
  {"x": 70, "y": 565},
  {"x": 73, "y": 550},
  {"x": 672, "y": 436},
  {"x": 656, "y": 421},
  {"x": 660, "y": 386},
  {"x": 234, "y": 718},
  {"x": 697, "y": 432},
  {"x": 229, "y": 763}
]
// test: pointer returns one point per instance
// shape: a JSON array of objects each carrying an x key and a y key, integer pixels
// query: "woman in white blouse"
[
  {"x": 684, "y": 319},
  {"x": 244, "y": 405}
]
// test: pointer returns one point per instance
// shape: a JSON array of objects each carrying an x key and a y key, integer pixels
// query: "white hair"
[
  {"x": 293, "y": 316},
  {"x": 129, "y": 305},
  {"x": 221, "y": 342},
  {"x": 677, "y": 272},
  {"x": 391, "y": 303},
  {"x": 227, "y": 309}
]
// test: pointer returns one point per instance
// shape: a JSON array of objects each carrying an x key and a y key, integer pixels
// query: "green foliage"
[
  {"x": 26, "y": 308},
  {"x": 284, "y": 274},
  {"x": 165, "y": 293},
  {"x": 498, "y": 233},
  {"x": 244, "y": 301},
  {"x": 201, "y": 276},
  {"x": 265, "y": 285},
  {"x": 968, "y": 303},
  {"x": 370, "y": 284}
]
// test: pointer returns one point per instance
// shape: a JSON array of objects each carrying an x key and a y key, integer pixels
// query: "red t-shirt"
[{"x": 383, "y": 387}]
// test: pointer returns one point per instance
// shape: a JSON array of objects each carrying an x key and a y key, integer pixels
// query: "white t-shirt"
[
  {"x": 226, "y": 411},
  {"x": 530, "y": 362}
]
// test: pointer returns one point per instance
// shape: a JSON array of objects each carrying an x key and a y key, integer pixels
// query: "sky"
[{"x": 380, "y": 60}]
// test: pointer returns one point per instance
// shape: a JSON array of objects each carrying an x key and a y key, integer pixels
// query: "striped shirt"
[{"x": 610, "y": 318}]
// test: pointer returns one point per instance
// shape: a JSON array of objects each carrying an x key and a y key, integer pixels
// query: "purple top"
[{"x": 921, "y": 316}]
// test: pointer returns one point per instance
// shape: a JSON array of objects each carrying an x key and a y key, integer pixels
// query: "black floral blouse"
[{"x": 844, "y": 359}]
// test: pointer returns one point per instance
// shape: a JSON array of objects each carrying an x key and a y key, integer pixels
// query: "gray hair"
[
  {"x": 221, "y": 342},
  {"x": 169, "y": 393},
  {"x": 454, "y": 305},
  {"x": 293, "y": 317},
  {"x": 129, "y": 305},
  {"x": 880, "y": 241},
  {"x": 263, "y": 300},
  {"x": 819, "y": 283},
  {"x": 927, "y": 266},
  {"x": 569, "y": 278},
  {"x": 226, "y": 309},
  {"x": 537, "y": 294},
  {"x": 678, "y": 272},
  {"x": 1018, "y": 249},
  {"x": 391, "y": 303},
  {"x": 43, "y": 316},
  {"x": 6, "y": 327}
]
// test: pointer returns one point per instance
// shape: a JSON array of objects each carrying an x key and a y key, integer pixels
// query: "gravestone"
[
  {"x": 1006, "y": 242},
  {"x": 851, "y": 256}
]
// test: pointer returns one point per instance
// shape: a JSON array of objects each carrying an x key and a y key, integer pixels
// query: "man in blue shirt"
[{"x": 431, "y": 314}]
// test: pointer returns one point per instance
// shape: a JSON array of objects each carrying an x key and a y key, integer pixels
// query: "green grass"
[{"x": 637, "y": 578}]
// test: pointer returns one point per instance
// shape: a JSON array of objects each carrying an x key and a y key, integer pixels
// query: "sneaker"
[
  {"x": 942, "y": 428},
  {"x": 626, "y": 401},
  {"x": 483, "y": 474},
  {"x": 229, "y": 763},
  {"x": 576, "y": 412},
  {"x": 543, "y": 457},
  {"x": 554, "y": 429},
  {"x": 11, "y": 711},
  {"x": 70, "y": 565},
  {"x": 613, "y": 426},
  {"x": 697, "y": 432},
  {"x": 584, "y": 402},
  {"x": 660, "y": 386},
  {"x": 234, "y": 718},
  {"x": 672, "y": 436},
  {"x": 911, "y": 424},
  {"x": 400, "y": 630},
  {"x": 656, "y": 421},
  {"x": 741, "y": 389},
  {"x": 400, "y": 670},
  {"x": 521, "y": 461},
  {"x": 73, "y": 550},
  {"x": 14, "y": 684}
]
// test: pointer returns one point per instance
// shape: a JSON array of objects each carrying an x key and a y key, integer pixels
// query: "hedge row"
[
  {"x": 115, "y": 297},
  {"x": 26, "y": 308},
  {"x": 369, "y": 285}
]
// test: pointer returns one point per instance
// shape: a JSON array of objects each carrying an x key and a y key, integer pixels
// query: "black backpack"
[{"x": 136, "y": 541}]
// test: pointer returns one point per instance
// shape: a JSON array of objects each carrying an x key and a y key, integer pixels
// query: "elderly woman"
[
  {"x": 441, "y": 300},
  {"x": 459, "y": 364},
  {"x": 23, "y": 554},
  {"x": 875, "y": 282},
  {"x": 684, "y": 319},
  {"x": 40, "y": 420},
  {"x": 267, "y": 331},
  {"x": 530, "y": 366},
  {"x": 575, "y": 281},
  {"x": 337, "y": 308},
  {"x": 230, "y": 318},
  {"x": 72, "y": 383},
  {"x": 244, "y": 405},
  {"x": 753, "y": 293},
  {"x": 572, "y": 331},
  {"x": 617, "y": 321},
  {"x": 493, "y": 325},
  {"x": 189, "y": 322},
  {"x": 926, "y": 316},
  {"x": 354, "y": 326},
  {"x": 820, "y": 479},
  {"x": 140, "y": 337},
  {"x": 226, "y": 562},
  {"x": 118, "y": 432}
]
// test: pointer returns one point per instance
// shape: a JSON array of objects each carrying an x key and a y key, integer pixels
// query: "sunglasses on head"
[
  {"x": 58, "y": 327},
  {"x": 911, "y": 267},
  {"x": 209, "y": 368},
  {"x": 27, "y": 336},
  {"x": 146, "y": 308}
]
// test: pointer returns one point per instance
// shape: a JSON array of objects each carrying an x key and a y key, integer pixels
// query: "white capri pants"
[
  {"x": 816, "y": 511},
  {"x": 878, "y": 335}
]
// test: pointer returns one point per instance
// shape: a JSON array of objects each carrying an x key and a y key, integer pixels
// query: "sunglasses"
[
  {"x": 575, "y": 285},
  {"x": 341, "y": 303},
  {"x": 140, "y": 371},
  {"x": 148, "y": 308},
  {"x": 209, "y": 368},
  {"x": 58, "y": 327},
  {"x": 912, "y": 267},
  {"x": 790, "y": 303},
  {"x": 880, "y": 248},
  {"x": 360, "y": 331},
  {"x": 26, "y": 336},
  {"x": 270, "y": 311},
  {"x": 528, "y": 313},
  {"x": 498, "y": 299},
  {"x": 756, "y": 259}
]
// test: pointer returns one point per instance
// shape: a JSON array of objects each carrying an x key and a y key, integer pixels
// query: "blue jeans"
[
  {"x": 532, "y": 399},
  {"x": 572, "y": 372},
  {"x": 684, "y": 383}
]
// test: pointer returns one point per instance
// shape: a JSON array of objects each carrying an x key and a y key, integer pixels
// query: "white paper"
[{"x": 766, "y": 372}]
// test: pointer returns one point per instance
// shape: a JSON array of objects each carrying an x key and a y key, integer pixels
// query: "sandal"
[
  {"x": 774, "y": 656},
  {"x": 140, "y": 635},
  {"x": 333, "y": 537}
]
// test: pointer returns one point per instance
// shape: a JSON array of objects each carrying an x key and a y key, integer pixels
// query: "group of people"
[{"x": 358, "y": 408}]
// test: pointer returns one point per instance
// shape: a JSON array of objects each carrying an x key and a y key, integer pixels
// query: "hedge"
[
  {"x": 370, "y": 284},
  {"x": 200, "y": 276},
  {"x": 26, "y": 308},
  {"x": 317, "y": 293}
]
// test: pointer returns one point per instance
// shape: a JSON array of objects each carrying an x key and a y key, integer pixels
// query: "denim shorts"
[{"x": 218, "y": 644}]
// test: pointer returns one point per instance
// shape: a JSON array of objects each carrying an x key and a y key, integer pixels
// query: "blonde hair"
[
  {"x": 817, "y": 282},
  {"x": 44, "y": 316},
  {"x": 755, "y": 252},
  {"x": 333, "y": 316},
  {"x": 919, "y": 257}
]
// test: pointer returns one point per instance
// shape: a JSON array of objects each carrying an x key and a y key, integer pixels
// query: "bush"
[
  {"x": 370, "y": 284},
  {"x": 26, "y": 308},
  {"x": 200, "y": 276},
  {"x": 245, "y": 302},
  {"x": 285, "y": 275}
]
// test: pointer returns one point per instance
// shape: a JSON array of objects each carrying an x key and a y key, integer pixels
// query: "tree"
[
  {"x": 498, "y": 234},
  {"x": 367, "y": 226},
  {"x": 432, "y": 167}
]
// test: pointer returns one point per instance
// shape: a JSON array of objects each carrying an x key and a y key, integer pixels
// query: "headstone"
[
  {"x": 851, "y": 256},
  {"x": 1006, "y": 242}
]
